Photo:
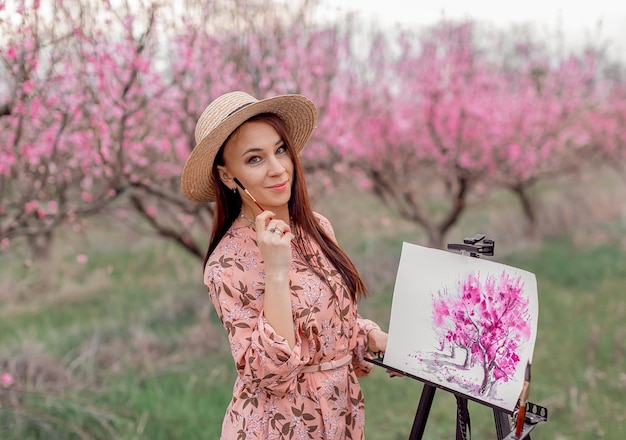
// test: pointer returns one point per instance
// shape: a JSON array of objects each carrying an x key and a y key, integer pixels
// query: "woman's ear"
[{"x": 225, "y": 176}]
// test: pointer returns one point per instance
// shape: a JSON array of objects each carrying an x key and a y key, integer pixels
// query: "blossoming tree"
[
  {"x": 449, "y": 114},
  {"x": 98, "y": 102},
  {"x": 489, "y": 320},
  {"x": 99, "y": 106}
]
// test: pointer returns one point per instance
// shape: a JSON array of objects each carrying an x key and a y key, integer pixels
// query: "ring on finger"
[
  {"x": 279, "y": 231},
  {"x": 272, "y": 230}
]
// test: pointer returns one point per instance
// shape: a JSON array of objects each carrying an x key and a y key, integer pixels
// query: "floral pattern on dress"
[{"x": 272, "y": 397}]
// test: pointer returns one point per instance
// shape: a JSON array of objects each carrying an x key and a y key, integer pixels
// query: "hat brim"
[{"x": 298, "y": 113}]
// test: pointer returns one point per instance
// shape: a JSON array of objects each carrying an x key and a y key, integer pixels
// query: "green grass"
[
  {"x": 580, "y": 356},
  {"x": 133, "y": 331},
  {"x": 183, "y": 402}
]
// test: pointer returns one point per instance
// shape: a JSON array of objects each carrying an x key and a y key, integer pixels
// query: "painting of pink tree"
[
  {"x": 480, "y": 327},
  {"x": 467, "y": 325}
]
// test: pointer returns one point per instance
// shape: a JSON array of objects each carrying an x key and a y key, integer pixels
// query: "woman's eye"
[
  {"x": 282, "y": 149},
  {"x": 254, "y": 159}
]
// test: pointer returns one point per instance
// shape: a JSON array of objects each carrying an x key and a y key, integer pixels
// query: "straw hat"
[{"x": 222, "y": 117}]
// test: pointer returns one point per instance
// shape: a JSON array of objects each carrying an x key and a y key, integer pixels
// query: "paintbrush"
[
  {"x": 243, "y": 188},
  {"x": 523, "y": 399}
]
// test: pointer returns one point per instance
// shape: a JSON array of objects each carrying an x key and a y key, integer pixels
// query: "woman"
[{"x": 284, "y": 290}]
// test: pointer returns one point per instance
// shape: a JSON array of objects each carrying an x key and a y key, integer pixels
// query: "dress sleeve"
[
  {"x": 361, "y": 351},
  {"x": 263, "y": 357}
]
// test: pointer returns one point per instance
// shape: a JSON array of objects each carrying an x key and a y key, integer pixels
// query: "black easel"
[{"x": 474, "y": 247}]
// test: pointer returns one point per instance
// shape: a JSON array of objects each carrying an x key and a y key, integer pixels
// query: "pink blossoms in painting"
[{"x": 481, "y": 328}]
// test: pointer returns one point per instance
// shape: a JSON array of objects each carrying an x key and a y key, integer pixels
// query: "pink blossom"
[
  {"x": 31, "y": 206},
  {"x": 53, "y": 206},
  {"x": 11, "y": 53},
  {"x": 186, "y": 220},
  {"x": 28, "y": 87},
  {"x": 7, "y": 160},
  {"x": 6, "y": 380},
  {"x": 82, "y": 258}
]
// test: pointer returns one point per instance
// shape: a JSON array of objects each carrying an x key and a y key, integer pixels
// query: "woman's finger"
[{"x": 263, "y": 220}]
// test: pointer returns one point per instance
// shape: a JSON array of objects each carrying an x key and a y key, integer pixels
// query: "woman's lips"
[{"x": 279, "y": 187}]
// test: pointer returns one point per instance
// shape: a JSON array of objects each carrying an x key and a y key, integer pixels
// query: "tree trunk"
[
  {"x": 39, "y": 245},
  {"x": 468, "y": 359},
  {"x": 528, "y": 208}
]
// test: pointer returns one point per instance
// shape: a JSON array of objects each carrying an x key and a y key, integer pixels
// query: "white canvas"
[{"x": 462, "y": 323}]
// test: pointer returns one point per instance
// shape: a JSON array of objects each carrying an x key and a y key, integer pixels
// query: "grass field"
[{"x": 126, "y": 346}]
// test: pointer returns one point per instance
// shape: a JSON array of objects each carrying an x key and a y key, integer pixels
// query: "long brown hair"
[{"x": 228, "y": 206}]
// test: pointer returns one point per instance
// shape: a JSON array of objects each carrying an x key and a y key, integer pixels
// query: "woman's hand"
[
  {"x": 377, "y": 344},
  {"x": 377, "y": 341},
  {"x": 273, "y": 237},
  {"x": 274, "y": 241}
]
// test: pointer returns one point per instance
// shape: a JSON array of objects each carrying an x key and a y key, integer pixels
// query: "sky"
[{"x": 580, "y": 21}]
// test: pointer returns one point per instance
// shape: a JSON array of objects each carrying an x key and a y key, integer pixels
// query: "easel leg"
[
  {"x": 462, "y": 418},
  {"x": 503, "y": 425},
  {"x": 423, "y": 409}
]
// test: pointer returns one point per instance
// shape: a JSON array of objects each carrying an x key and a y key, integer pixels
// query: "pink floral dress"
[{"x": 272, "y": 397}]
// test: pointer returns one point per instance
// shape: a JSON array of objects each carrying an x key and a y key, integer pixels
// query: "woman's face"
[{"x": 258, "y": 157}]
